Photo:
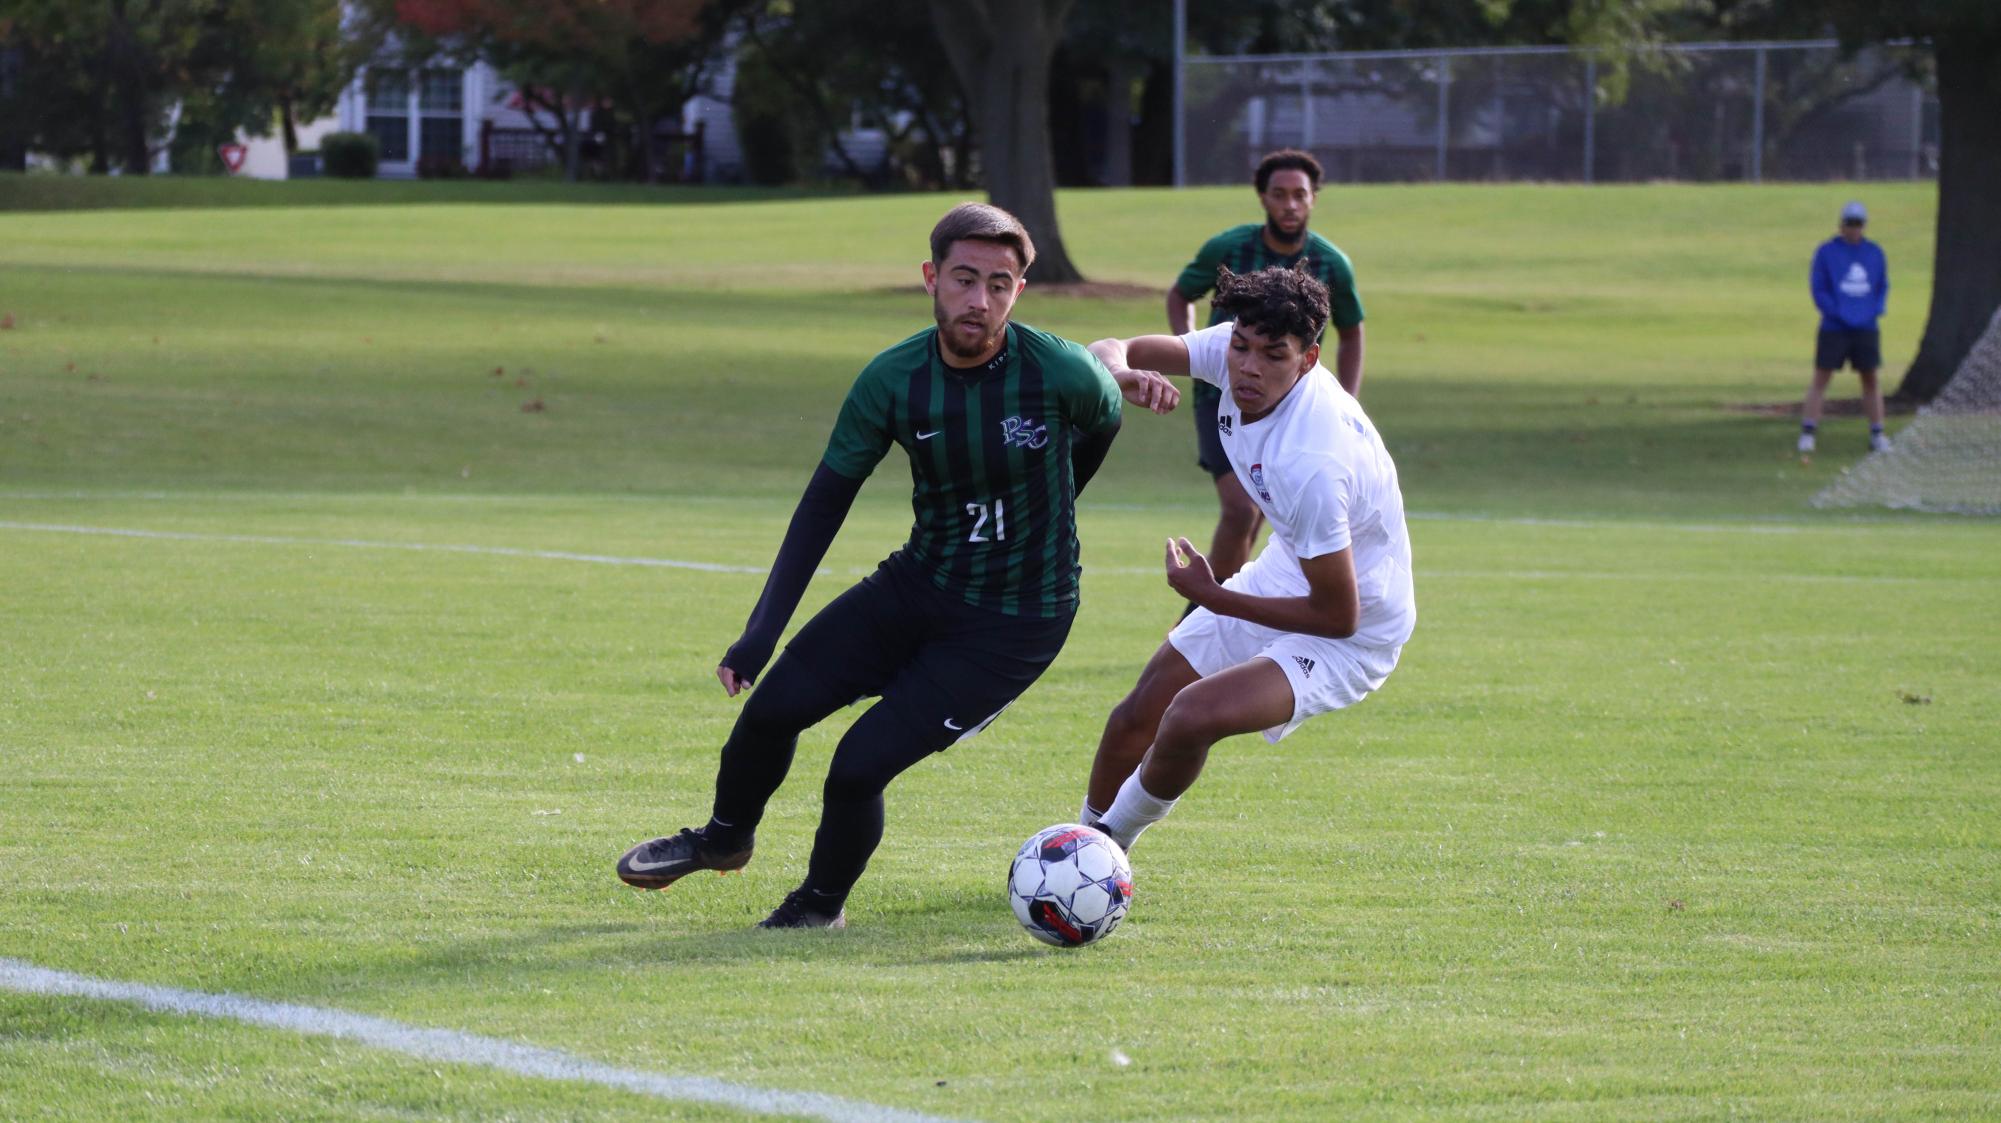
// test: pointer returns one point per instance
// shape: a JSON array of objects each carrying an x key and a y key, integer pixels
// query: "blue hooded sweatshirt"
[{"x": 1850, "y": 284}]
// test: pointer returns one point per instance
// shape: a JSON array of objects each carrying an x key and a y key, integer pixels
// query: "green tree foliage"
[
  {"x": 108, "y": 80},
  {"x": 616, "y": 67},
  {"x": 812, "y": 71}
]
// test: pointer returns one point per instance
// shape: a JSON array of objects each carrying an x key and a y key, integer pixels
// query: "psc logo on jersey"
[
  {"x": 1020, "y": 433},
  {"x": 1258, "y": 479}
]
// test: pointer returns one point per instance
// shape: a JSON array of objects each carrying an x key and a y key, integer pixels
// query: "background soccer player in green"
[
  {"x": 1003, "y": 425},
  {"x": 1288, "y": 183}
]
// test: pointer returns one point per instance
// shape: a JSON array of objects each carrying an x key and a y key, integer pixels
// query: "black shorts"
[
  {"x": 1862, "y": 347},
  {"x": 944, "y": 667},
  {"x": 1208, "y": 445}
]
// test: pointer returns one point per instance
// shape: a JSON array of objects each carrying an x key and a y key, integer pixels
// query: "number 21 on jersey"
[{"x": 981, "y": 514}]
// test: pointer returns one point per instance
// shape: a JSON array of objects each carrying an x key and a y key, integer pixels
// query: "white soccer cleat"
[
  {"x": 1879, "y": 443},
  {"x": 1806, "y": 444}
]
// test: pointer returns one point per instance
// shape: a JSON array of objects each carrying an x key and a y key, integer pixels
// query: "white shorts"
[{"x": 1326, "y": 674}]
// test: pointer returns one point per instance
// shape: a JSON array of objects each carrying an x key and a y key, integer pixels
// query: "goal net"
[{"x": 1949, "y": 458}]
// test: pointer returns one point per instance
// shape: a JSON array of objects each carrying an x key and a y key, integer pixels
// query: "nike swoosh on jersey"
[
  {"x": 954, "y": 726},
  {"x": 928, "y": 436}
]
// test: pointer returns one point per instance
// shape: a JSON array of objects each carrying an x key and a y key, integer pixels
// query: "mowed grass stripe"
[
  {"x": 360, "y": 544},
  {"x": 1097, "y": 570}
]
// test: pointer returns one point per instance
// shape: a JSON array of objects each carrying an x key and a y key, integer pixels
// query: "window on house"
[
  {"x": 443, "y": 91},
  {"x": 388, "y": 93},
  {"x": 441, "y": 139},
  {"x": 440, "y": 104}
]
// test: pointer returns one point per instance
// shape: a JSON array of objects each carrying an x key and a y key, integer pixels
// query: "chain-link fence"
[{"x": 1728, "y": 111}]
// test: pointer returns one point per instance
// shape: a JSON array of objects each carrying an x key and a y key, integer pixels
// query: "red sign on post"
[{"x": 233, "y": 156}]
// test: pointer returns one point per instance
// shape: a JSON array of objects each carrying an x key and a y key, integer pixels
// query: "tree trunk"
[
  {"x": 963, "y": 149},
  {"x": 13, "y": 145},
  {"x": 1116, "y": 169},
  {"x": 128, "y": 75},
  {"x": 288, "y": 122},
  {"x": 1153, "y": 136},
  {"x": 1966, "y": 274},
  {"x": 138, "y": 161},
  {"x": 100, "y": 140},
  {"x": 647, "y": 148},
  {"x": 1001, "y": 51},
  {"x": 573, "y": 136}
]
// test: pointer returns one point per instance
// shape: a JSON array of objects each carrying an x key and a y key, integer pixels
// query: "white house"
[
  {"x": 431, "y": 114},
  {"x": 412, "y": 113}
]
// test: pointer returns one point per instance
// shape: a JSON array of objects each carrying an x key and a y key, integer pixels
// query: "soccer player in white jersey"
[{"x": 1317, "y": 621}]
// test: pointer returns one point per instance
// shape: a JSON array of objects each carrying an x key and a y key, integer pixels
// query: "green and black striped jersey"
[
  {"x": 1243, "y": 249},
  {"x": 991, "y": 486}
]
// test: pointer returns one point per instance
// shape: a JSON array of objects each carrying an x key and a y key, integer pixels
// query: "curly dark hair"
[
  {"x": 1287, "y": 159},
  {"x": 1277, "y": 301}
]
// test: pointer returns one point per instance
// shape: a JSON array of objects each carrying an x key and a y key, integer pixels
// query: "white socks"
[
  {"x": 1089, "y": 814},
  {"x": 1134, "y": 811}
]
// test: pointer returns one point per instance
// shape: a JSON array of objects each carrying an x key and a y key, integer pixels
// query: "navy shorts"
[
  {"x": 1208, "y": 446},
  {"x": 1862, "y": 347}
]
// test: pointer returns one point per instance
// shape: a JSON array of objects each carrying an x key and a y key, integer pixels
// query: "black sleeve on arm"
[
  {"x": 1087, "y": 452},
  {"x": 814, "y": 523}
]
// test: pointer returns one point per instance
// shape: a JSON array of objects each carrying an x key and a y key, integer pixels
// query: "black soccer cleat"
[
  {"x": 660, "y": 862},
  {"x": 796, "y": 911}
]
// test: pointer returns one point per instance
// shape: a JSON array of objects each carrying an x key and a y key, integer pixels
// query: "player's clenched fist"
[
  {"x": 1148, "y": 389},
  {"x": 1188, "y": 572}
]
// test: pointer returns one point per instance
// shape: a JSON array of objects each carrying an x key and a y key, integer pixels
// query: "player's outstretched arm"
[
  {"x": 1152, "y": 354},
  {"x": 821, "y": 511},
  {"x": 1139, "y": 383},
  {"x": 1332, "y": 606}
]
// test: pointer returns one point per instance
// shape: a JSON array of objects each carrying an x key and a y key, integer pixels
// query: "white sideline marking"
[
  {"x": 1624, "y": 524},
  {"x": 1687, "y": 575},
  {"x": 450, "y": 1046},
  {"x": 1599, "y": 575},
  {"x": 364, "y": 544},
  {"x": 858, "y": 571}
]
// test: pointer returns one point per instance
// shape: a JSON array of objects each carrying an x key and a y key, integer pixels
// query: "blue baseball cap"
[{"x": 1854, "y": 212}]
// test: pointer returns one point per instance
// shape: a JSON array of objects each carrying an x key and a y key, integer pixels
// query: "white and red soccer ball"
[{"x": 1070, "y": 885}]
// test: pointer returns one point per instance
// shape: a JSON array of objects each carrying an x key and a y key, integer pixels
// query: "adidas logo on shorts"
[{"x": 1305, "y": 665}]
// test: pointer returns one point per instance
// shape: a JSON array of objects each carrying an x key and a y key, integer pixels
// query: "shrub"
[{"x": 349, "y": 155}]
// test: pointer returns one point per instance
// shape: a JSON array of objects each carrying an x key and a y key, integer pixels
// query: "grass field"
[{"x": 341, "y": 662}]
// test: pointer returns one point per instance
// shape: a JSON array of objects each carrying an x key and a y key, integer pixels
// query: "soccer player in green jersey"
[
  {"x": 1003, "y": 425},
  {"x": 1288, "y": 182}
]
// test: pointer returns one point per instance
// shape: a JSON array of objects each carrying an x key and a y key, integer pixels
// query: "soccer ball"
[{"x": 1070, "y": 885}]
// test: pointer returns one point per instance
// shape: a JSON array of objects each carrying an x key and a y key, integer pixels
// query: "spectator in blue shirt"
[{"x": 1850, "y": 282}]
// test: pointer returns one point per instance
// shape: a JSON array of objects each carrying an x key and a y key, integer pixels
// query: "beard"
[
  {"x": 950, "y": 339},
  {"x": 1278, "y": 234}
]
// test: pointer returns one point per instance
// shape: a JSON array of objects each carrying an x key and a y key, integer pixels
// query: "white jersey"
[{"x": 1318, "y": 470}]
